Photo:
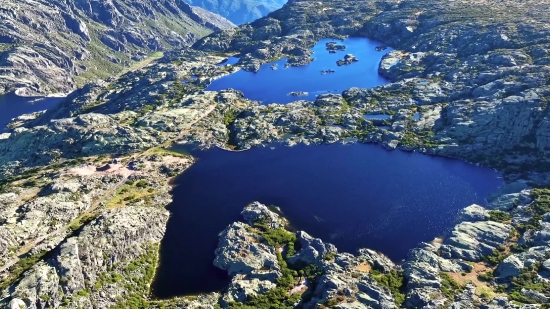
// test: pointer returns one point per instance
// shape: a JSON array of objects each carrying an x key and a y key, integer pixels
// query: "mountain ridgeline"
[
  {"x": 241, "y": 11},
  {"x": 50, "y": 46}
]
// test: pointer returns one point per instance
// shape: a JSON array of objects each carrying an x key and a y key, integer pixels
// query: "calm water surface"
[
  {"x": 13, "y": 106},
  {"x": 353, "y": 196},
  {"x": 271, "y": 86}
]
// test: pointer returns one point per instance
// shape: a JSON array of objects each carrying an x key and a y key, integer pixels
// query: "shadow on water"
[
  {"x": 13, "y": 106},
  {"x": 353, "y": 196}
]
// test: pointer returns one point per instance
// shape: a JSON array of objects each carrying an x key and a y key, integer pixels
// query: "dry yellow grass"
[
  {"x": 482, "y": 289},
  {"x": 364, "y": 267},
  {"x": 143, "y": 63}
]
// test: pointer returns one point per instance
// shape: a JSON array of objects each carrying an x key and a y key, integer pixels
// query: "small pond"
[
  {"x": 376, "y": 117},
  {"x": 13, "y": 106},
  {"x": 229, "y": 60},
  {"x": 353, "y": 196},
  {"x": 274, "y": 85}
]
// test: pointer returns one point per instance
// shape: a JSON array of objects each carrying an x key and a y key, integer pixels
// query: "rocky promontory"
[{"x": 268, "y": 272}]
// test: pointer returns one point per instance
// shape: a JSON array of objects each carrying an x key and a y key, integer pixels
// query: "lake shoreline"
[{"x": 191, "y": 186}]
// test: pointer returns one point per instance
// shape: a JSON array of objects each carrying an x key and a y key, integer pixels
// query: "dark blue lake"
[
  {"x": 353, "y": 196},
  {"x": 273, "y": 86},
  {"x": 12, "y": 106}
]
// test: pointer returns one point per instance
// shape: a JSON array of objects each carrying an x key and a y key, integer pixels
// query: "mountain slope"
[
  {"x": 242, "y": 11},
  {"x": 55, "y": 45}
]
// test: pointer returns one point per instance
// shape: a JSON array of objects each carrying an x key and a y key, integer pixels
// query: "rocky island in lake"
[{"x": 88, "y": 187}]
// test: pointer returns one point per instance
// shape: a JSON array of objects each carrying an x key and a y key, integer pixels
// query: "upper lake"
[
  {"x": 13, "y": 106},
  {"x": 354, "y": 196},
  {"x": 273, "y": 86}
]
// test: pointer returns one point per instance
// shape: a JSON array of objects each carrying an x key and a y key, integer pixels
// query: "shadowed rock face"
[
  {"x": 241, "y": 11},
  {"x": 52, "y": 46}
]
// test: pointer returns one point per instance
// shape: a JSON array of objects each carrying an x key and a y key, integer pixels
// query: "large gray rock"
[
  {"x": 240, "y": 252},
  {"x": 510, "y": 267},
  {"x": 514, "y": 264},
  {"x": 425, "y": 297},
  {"x": 364, "y": 291},
  {"x": 474, "y": 213},
  {"x": 422, "y": 270},
  {"x": 466, "y": 299},
  {"x": 313, "y": 250},
  {"x": 498, "y": 303},
  {"x": 258, "y": 212},
  {"x": 542, "y": 236},
  {"x": 244, "y": 286},
  {"x": 253, "y": 265},
  {"x": 17, "y": 303},
  {"x": 376, "y": 259},
  {"x": 473, "y": 240},
  {"x": 509, "y": 196}
]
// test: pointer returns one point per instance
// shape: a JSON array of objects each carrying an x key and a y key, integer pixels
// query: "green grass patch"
[
  {"x": 418, "y": 139},
  {"x": 498, "y": 255},
  {"x": 165, "y": 152},
  {"x": 529, "y": 279},
  {"x": 394, "y": 280},
  {"x": 16, "y": 270},
  {"x": 499, "y": 216}
]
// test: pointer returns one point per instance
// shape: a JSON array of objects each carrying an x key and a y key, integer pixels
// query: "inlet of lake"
[
  {"x": 274, "y": 86},
  {"x": 354, "y": 196},
  {"x": 13, "y": 106}
]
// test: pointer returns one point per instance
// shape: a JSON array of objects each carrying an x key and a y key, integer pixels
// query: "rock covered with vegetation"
[
  {"x": 317, "y": 276},
  {"x": 86, "y": 234},
  {"x": 268, "y": 272}
]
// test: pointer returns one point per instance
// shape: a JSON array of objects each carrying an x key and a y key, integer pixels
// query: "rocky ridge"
[{"x": 53, "y": 46}]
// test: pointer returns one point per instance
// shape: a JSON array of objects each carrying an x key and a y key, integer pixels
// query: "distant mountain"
[
  {"x": 239, "y": 11},
  {"x": 51, "y": 46}
]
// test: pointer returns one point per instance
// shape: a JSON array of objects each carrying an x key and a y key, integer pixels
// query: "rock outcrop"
[
  {"x": 473, "y": 240},
  {"x": 340, "y": 278}
]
